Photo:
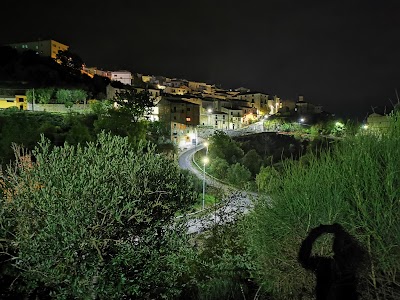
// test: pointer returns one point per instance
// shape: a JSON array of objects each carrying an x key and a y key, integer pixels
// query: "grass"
[
  {"x": 356, "y": 184},
  {"x": 209, "y": 201}
]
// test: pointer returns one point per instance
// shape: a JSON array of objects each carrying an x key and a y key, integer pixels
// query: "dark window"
[
  {"x": 188, "y": 109},
  {"x": 216, "y": 122}
]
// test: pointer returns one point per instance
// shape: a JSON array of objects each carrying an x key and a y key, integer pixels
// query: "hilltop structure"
[{"x": 48, "y": 48}]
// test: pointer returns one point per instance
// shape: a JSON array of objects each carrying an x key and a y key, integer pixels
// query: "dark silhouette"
[{"x": 337, "y": 275}]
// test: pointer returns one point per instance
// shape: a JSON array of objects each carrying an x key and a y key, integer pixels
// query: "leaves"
[{"x": 103, "y": 211}]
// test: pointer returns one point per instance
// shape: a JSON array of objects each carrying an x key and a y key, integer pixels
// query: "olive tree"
[{"x": 95, "y": 222}]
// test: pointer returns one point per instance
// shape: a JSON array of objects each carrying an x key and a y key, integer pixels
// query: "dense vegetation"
[
  {"x": 355, "y": 184},
  {"x": 94, "y": 221},
  {"x": 239, "y": 160},
  {"x": 21, "y": 71}
]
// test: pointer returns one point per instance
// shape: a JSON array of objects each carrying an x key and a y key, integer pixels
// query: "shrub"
[
  {"x": 95, "y": 222},
  {"x": 357, "y": 185},
  {"x": 238, "y": 175}
]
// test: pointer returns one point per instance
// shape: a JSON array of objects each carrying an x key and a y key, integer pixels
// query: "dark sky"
[{"x": 344, "y": 55}]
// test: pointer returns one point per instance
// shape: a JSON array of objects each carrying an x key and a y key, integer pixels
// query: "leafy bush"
[
  {"x": 355, "y": 184},
  {"x": 42, "y": 96},
  {"x": 222, "y": 146},
  {"x": 238, "y": 175},
  {"x": 95, "y": 222},
  {"x": 63, "y": 96}
]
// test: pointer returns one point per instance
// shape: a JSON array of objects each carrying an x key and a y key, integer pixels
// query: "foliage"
[
  {"x": 120, "y": 123},
  {"x": 218, "y": 167},
  {"x": 238, "y": 175},
  {"x": 67, "y": 96},
  {"x": 95, "y": 222},
  {"x": 69, "y": 60},
  {"x": 158, "y": 132},
  {"x": 222, "y": 268},
  {"x": 100, "y": 107},
  {"x": 63, "y": 96},
  {"x": 356, "y": 184},
  {"x": 78, "y": 96},
  {"x": 267, "y": 179},
  {"x": 252, "y": 161},
  {"x": 272, "y": 124},
  {"x": 42, "y": 96},
  {"x": 222, "y": 146},
  {"x": 133, "y": 103}
]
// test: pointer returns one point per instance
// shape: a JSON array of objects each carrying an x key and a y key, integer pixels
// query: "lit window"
[{"x": 187, "y": 119}]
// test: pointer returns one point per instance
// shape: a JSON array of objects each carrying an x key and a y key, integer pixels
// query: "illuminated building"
[
  {"x": 44, "y": 48},
  {"x": 18, "y": 101}
]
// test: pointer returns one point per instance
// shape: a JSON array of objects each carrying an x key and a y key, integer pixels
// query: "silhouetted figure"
[{"x": 336, "y": 276}]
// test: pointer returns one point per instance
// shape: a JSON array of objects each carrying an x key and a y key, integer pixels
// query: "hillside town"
[{"x": 185, "y": 105}]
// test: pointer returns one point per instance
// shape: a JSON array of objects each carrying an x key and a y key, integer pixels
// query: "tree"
[
  {"x": 96, "y": 221},
  {"x": 133, "y": 103},
  {"x": 70, "y": 60},
  {"x": 42, "y": 96},
  {"x": 238, "y": 175},
  {"x": 78, "y": 96},
  {"x": 222, "y": 146},
  {"x": 218, "y": 167},
  {"x": 252, "y": 161},
  {"x": 63, "y": 96}
]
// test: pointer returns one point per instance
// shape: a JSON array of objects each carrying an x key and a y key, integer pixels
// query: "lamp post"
[{"x": 205, "y": 161}]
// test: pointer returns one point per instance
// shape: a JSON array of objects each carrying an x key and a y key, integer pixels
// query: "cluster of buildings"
[{"x": 188, "y": 105}]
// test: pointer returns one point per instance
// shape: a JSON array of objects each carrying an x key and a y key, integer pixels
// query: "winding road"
[{"x": 235, "y": 202}]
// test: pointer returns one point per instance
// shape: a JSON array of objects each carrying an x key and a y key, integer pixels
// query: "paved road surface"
[{"x": 235, "y": 203}]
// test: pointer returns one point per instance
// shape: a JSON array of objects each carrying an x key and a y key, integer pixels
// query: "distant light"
[
  {"x": 365, "y": 126},
  {"x": 205, "y": 144},
  {"x": 206, "y": 160},
  {"x": 302, "y": 120},
  {"x": 187, "y": 119},
  {"x": 209, "y": 110}
]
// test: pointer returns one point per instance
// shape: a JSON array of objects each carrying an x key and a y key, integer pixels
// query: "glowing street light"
[
  {"x": 205, "y": 161},
  {"x": 206, "y": 145}
]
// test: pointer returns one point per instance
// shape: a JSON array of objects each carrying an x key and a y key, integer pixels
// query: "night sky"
[{"x": 344, "y": 55}]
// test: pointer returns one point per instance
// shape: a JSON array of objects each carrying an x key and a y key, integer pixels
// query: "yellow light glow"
[{"x": 206, "y": 160}]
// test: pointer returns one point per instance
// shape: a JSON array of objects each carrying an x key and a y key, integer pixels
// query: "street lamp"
[
  {"x": 205, "y": 161},
  {"x": 206, "y": 145}
]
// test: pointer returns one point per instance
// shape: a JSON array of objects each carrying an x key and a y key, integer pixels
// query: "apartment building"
[
  {"x": 182, "y": 117},
  {"x": 122, "y": 76},
  {"x": 48, "y": 48}
]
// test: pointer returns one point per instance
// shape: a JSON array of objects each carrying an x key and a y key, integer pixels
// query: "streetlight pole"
[{"x": 205, "y": 161}]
